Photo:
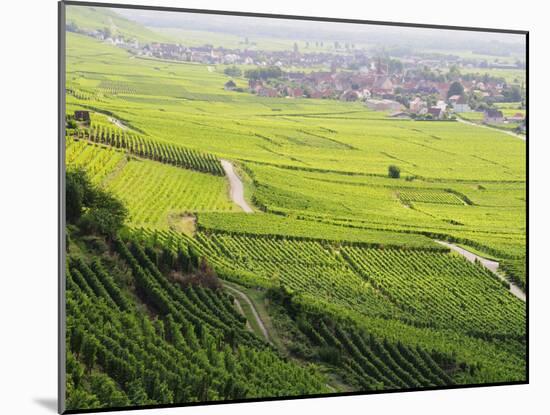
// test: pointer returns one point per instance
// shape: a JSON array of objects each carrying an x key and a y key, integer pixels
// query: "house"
[
  {"x": 436, "y": 112},
  {"x": 518, "y": 117},
  {"x": 493, "y": 116},
  {"x": 461, "y": 105},
  {"x": 230, "y": 85},
  {"x": 417, "y": 105},
  {"x": 294, "y": 92},
  {"x": 480, "y": 86},
  {"x": 350, "y": 95},
  {"x": 382, "y": 85},
  {"x": 82, "y": 116},
  {"x": 365, "y": 93},
  {"x": 267, "y": 92},
  {"x": 441, "y": 104},
  {"x": 443, "y": 89},
  {"x": 454, "y": 99},
  {"x": 255, "y": 85},
  {"x": 295, "y": 76}
]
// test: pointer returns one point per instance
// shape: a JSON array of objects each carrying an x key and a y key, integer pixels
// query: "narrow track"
[
  {"x": 236, "y": 191},
  {"x": 244, "y": 297},
  {"x": 487, "y": 263}
]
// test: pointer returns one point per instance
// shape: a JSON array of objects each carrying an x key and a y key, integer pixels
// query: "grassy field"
[
  {"x": 344, "y": 256},
  {"x": 511, "y": 76}
]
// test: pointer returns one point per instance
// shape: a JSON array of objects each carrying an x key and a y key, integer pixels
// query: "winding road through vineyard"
[
  {"x": 487, "y": 263},
  {"x": 264, "y": 249},
  {"x": 257, "y": 317},
  {"x": 236, "y": 191}
]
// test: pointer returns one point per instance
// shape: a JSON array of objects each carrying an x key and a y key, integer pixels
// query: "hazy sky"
[{"x": 329, "y": 31}]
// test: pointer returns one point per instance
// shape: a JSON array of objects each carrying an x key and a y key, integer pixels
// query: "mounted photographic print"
[{"x": 258, "y": 207}]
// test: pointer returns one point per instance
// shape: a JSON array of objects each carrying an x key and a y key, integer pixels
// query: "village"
[
  {"x": 403, "y": 94},
  {"x": 420, "y": 86}
]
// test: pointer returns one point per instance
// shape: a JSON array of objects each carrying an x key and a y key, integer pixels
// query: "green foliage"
[
  {"x": 196, "y": 348},
  {"x": 414, "y": 315},
  {"x": 456, "y": 88},
  {"x": 94, "y": 209},
  {"x": 461, "y": 295},
  {"x": 152, "y": 191},
  {"x": 232, "y": 71},
  {"x": 264, "y": 73},
  {"x": 394, "y": 172},
  {"x": 152, "y": 149}
]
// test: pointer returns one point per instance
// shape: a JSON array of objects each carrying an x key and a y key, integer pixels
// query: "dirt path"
[
  {"x": 487, "y": 263},
  {"x": 463, "y": 121},
  {"x": 237, "y": 189},
  {"x": 118, "y": 123},
  {"x": 252, "y": 307}
]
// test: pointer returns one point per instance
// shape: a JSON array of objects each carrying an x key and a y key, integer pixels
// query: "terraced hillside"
[{"x": 337, "y": 261}]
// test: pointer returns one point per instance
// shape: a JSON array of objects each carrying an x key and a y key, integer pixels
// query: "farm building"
[
  {"x": 382, "y": 85},
  {"x": 350, "y": 95},
  {"x": 80, "y": 115},
  {"x": 294, "y": 92},
  {"x": 453, "y": 99},
  {"x": 436, "y": 112},
  {"x": 267, "y": 92},
  {"x": 518, "y": 117},
  {"x": 418, "y": 106},
  {"x": 493, "y": 116},
  {"x": 461, "y": 105}
]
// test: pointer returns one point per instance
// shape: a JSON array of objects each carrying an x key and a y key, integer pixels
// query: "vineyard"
[
  {"x": 195, "y": 348},
  {"x": 150, "y": 149},
  {"x": 364, "y": 360},
  {"x": 429, "y": 196},
  {"x": 302, "y": 266},
  {"x": 152, "y": 190},
  {"x": 338, "y": 261},
  {"x": 98, "y": 163},
  {"x": 442, "y": 290},
  {"x": 423, "y": 287}
]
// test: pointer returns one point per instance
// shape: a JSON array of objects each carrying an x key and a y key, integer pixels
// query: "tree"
[
  {"x": 106, "y": 216},
  {"x": 394, "y": 172},
  {"x": 264, "y": 73},
  {"x": 74, "y": 195},
  {"x": 395, "y": 66},
  {"x": 107, "y": 33},
  {"x": 454, "y": 73},
  {"x": 78, "y": 193},
  {"x": 456, "y": 88},
  {"x": 90, "y": 207},
  {"x": 514, "y": 94},
  {"x": 232, "y": 71}
]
